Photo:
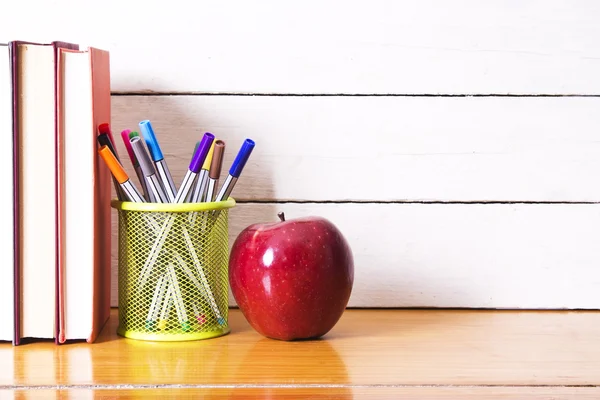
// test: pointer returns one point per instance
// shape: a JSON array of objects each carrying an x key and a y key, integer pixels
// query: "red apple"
[{"x": 291, "y": 279}]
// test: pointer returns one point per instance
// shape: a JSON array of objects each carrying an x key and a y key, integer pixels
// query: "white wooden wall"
[{"x": 481, "y": 117}]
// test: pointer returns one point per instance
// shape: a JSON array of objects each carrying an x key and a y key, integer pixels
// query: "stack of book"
[{"x": 55, "y": 207}]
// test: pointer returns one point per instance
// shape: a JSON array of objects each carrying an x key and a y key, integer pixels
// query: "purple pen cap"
[{"x": 201, "y": 152}]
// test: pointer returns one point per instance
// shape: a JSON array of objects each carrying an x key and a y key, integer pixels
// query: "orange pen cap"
[{"x": 115, "y": 166}]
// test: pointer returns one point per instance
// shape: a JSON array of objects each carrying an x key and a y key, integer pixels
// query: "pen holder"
[{"x": 173, "y": 270}]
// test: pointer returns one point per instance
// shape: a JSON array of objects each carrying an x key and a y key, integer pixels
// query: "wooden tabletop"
[{"x": 418, "y": 354}]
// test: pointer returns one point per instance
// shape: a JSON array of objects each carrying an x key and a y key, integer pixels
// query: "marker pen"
[
  {"x": 202, "y": 181},
  {"x": 135, "y": 163},
  {"x": 151, "y": 197},
  {"x": 154, "y": 186},
  {"x": 164, "y": 314},
  {"x": 201, "y": 318},
  {"x": 159, "y": 160},
  {"x": 197, "y": 161},
  {"x": 157, "y": 298},
  {"x": 105, "y": 129},
  {"x": 129, "y": 189},
  {"x": 179, "y": 305},
  {"x": 104, "y": 140},
  {"x": 236, "y": 169},
  {"x": 215, "y": 170},
  {"x": 191, "y": 193}
]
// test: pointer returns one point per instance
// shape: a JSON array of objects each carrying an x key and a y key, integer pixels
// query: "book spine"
[
  {"x": 59, "y": 309},
  {"x": 16, "y": 189}
]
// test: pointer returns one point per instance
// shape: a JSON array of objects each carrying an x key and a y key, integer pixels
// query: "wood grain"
[
  {"x": 385, "y": 149},
  {"x": 374, "y": 347},
  {"x": 455, "y": 255},
  {"x": 404, "y": 393},
  {"x": 380, "y": 46}
]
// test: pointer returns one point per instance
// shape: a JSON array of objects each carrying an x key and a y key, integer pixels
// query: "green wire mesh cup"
[{"x": 173, "y": 270}]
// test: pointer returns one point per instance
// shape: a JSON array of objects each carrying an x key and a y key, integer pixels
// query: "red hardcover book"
[
  {"x": 22, "y": 253},
  {"x": 84, "y": 195}
]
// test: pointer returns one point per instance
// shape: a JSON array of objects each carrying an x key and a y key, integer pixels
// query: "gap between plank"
[
  {"x": 265, "y": 201},
  {"x": 184, "y": 93},
  {"x": 273, "y": 386}
]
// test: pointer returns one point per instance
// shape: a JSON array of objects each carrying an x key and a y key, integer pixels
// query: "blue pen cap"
[
  {"x": 151, "y": 142},
  {"x": 241, "y": 158}
]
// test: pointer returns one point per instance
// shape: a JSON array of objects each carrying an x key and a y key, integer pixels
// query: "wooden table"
[{"x": 416, "y": 354}]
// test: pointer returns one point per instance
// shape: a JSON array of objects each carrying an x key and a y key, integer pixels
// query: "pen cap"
[
  {"x": 104, "y": 140},
  {"x": 241, "y": 158},
  {"x": 201, "y": 152},
  {"x": 209, "y": 157},
  {"x": 125, "y": 137},
  {"x": 104, "y": 128},
  {"x": 115, "y": 167},
  {"x": 151, "y": 142},
  {"x": 132, "y": 134},
  {"x": 217, "y": 160},
  {"x": 142, "y": 156}
]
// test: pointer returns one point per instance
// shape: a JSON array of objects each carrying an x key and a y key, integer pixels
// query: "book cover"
[{"x": 84, "y": 193}]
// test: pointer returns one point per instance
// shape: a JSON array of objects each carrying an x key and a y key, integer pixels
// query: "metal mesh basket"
[{"x": 173, "y": 270}]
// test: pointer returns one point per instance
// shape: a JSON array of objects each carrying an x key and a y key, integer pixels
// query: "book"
[
  {"x": 6, "y": 202},
  {"x": 34, "y": 149},
  {"x": 83, "y": 195}
]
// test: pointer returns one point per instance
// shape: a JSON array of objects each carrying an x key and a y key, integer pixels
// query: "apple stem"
[{"x": 281, "y": 216}]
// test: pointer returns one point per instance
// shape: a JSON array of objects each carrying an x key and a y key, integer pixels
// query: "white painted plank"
[
  {"x": 341, "y": 46},
  {"x": 457, "y": 255},
  {"x": 443, "y": 149}
]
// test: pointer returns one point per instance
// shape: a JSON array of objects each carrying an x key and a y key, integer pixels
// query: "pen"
[
  {"x": 215, "y": 170},
  {"x": 125, "y": 137},
  {"x": 179, "y": 306},
  {"x": 236, "y": 169},
  {"x": 135, "y": 163},
  {"x": 197, "y": 161},
  {"x": 159, "y": 160},
  {"x": 157, "y": 299},
  {"x": 164, "y": 314},
  {"x": 201, "y": 318},
  {"x": 105, "y": 129},
  {"x": 104, "y": 140},
  {"x": 202, "y": 181},
  {"x": 191, "y": 194},
  {"x": 154, "y": 186},
  {"x": 201, "y": 184},
  {"x": 129, "y": 189},
  {"x": 151, "y": 197}
]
